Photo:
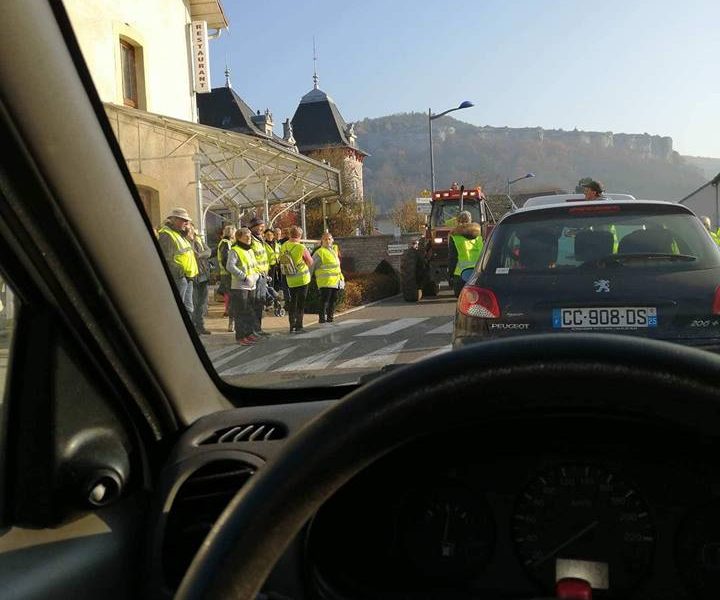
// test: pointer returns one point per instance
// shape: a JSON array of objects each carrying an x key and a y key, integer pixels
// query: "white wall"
[{"x": 160, "y": 27}]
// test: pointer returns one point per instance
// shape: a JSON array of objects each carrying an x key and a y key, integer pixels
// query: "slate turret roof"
[
  {"x": 223, "y": 108},
  {"x": 317, "y": 124}
]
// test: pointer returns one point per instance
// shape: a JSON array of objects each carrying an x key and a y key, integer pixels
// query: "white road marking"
[
  {"x": 447, "y": 328},
  {"x": 441, "y": 350},
  {"x": 330, "y": 328},
  {"x": 379, "y": 358},
  {"x": 259, "y": 364},
  {"x": 317, "y": 361},
  {"x": 227, "y": 359},
  {"x": 393, "y": 326},
  {"x": 216, "y": 353}
]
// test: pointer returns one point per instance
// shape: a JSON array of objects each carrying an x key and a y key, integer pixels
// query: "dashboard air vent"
[
  {"x": 198, "y": 503},
  {"x": 252, "y": 432}
]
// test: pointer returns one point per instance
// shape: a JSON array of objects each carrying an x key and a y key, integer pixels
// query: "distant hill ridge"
[{"x": 398, "y": 166}]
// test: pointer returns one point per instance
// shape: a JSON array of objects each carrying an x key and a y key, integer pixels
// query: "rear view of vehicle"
[{"x": 631, "y": 267}]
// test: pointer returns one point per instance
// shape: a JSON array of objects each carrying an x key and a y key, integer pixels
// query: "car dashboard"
[{"x": 493, "y": 510}]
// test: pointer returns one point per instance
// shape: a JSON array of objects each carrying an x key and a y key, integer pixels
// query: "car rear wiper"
[{"x": 619, "y": 259}]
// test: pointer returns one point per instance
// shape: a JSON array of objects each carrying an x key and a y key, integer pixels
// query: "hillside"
[
  {"x": 398, "y": 165},
  {"x": 709, "y": 166}
]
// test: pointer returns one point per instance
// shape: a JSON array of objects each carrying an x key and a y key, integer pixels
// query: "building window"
[{"x": 129, "y": 65}]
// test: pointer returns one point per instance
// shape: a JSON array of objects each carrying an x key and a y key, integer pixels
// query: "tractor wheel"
[
  {"x": 411, "y": 273},
  {"x": 431, "y": 288}
]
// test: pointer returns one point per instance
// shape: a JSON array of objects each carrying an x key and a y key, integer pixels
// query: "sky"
[{"x": 631, "y": 66}]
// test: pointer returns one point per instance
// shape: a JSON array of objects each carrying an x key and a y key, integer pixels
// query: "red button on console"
[{"x": 572, "y": 588}]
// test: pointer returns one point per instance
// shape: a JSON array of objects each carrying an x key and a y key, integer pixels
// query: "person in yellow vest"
[
  {"x": 464, "y": 247},
  {"x": 179, "y": 255},
  {"x": 295, "y": 262},
  {"x": 257, "y": 227},
  {"x": 708, "y": 225},
  {"x": 328, "y": 276},
  {"x": 223, "y": 247},
  {"x": 245, "y": 274},
  {"x": 200, "y": 285},
  {"x": 272, "y": 247}
]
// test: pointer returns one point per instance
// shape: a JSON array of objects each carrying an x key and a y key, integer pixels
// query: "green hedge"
[{"x": 360, "y": 288}]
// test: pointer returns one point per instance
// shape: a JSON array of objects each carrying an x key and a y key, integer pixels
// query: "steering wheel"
[{"x": 580, "y": 374}]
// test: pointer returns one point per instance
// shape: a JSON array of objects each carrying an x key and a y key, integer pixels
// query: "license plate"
[{"x": 617, "y": 317}]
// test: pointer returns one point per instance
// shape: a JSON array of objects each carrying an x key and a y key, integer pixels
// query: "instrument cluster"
[{"x": 636, "y": 514}]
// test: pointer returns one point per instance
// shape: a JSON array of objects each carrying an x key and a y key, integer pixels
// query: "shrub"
[{"x": 360, "y": 288}]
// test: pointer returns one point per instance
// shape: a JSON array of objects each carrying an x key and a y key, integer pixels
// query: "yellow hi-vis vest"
[
  {"x": 327, "y": 273},
  {"x": 468, "y": 252},
  {"x": 184, "y": 254},
  {"x": 272, "y": 250},
  {"x": 302, "y": 274},
  {"x": 261, "y": 256},
  {"x": 246, "y": 258},
  {"x": 221, "y": 243}
]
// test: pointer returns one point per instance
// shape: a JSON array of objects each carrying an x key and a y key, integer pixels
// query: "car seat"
[
  {"x": 655, "y": 241},
  {"x": 538, "y": 250},
  {"x": 593, "y": 245}
]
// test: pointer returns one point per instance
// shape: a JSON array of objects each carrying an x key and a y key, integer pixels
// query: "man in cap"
[
  {"x": 593, "y": 190},
  {"x": 179, "y": 255},
  {"x": 257, "y": 227}
]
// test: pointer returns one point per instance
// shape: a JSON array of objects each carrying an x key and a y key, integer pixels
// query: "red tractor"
[{"x": 425, "y": 264}]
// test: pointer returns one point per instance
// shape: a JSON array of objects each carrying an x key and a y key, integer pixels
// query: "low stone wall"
[{"x": 363, "y": 254}]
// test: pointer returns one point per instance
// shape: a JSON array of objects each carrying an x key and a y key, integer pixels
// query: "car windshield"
[
  {"x": 445, "y": 213},
  {"x": 558, "y": 241},
  {"x": 288, "y": 165}
]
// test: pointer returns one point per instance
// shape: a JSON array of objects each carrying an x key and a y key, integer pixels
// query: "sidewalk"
[{"x": 218, "y": 325}]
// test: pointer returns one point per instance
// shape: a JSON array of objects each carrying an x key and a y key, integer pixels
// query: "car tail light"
[
  {"x": 478, "y": 302},
  {"x": 716, "y": 302}
]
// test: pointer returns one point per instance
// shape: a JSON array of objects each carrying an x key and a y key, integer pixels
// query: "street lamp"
[
  {"x": 511, "y": 181},
  {"x": 431, "y": 118}
]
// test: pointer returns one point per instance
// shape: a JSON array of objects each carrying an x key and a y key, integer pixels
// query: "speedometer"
[{"x": 583, "y": 521}]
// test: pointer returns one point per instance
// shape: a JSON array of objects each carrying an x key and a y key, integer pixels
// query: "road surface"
[{"x": 360, "y": 342}]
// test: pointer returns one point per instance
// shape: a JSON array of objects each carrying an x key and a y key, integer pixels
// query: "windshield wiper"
[{"x": 619, "y": 259}]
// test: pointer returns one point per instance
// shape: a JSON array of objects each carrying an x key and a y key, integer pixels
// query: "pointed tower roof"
[{"x": 317, "y": 123}]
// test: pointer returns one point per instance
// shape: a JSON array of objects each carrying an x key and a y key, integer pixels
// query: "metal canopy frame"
[{"x": 232, "y": 170}]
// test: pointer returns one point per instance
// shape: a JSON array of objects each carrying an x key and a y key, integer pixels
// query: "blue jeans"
[
  {"x": 259, "y": 303},
  {"x": 185, "y": 287},
  {"x": 200, "y": 302},
  {"x": 241, "y": 309}
]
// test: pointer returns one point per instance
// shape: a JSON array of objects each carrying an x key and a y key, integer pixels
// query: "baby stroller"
[{"x": 274, "y": 299}]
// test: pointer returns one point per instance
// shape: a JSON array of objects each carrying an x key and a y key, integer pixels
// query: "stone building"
[{"x": 148, "y": 61}]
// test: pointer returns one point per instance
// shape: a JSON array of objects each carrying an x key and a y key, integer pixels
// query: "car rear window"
[{"x": 600, "y": 236}]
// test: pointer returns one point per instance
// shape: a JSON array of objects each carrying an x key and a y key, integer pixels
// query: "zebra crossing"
[{"x": 350, "y": 344}]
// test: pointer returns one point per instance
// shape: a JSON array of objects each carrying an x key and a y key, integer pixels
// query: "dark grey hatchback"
[{"x": 641, "y": 268}]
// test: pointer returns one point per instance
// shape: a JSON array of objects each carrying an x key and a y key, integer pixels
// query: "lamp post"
[
  {"x": 431, "y": 118},
  {"x": 511, "y": 181}
]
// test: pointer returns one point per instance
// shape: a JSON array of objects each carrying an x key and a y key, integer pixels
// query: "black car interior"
[
  {"x": 655, "y": 240},
  {"x": 592, "y": 245}
]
